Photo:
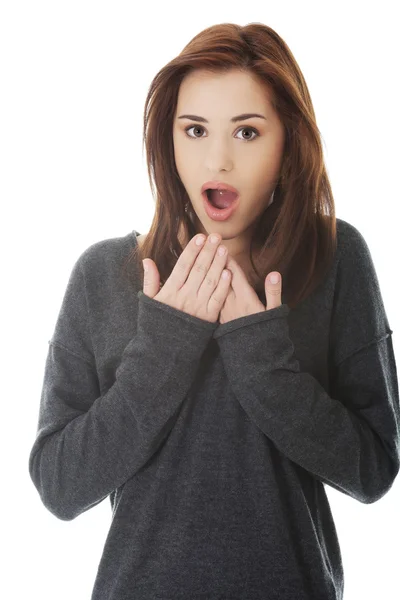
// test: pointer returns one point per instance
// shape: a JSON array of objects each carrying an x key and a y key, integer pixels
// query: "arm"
[
  {"x": 349, "y": 439},
  {"x": 87, "y": 444}
]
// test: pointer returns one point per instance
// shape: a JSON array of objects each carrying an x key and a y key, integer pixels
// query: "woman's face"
[{"x": 219, "y": 150}]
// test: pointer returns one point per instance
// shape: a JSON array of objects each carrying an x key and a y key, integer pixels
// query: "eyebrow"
[{"x": 233, "y": 120}]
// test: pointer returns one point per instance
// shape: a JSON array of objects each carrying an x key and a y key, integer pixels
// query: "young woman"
[{"x": 212, "y": 410}]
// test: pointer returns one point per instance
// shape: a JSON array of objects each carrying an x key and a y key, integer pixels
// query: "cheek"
[
  {"x": 262, "y": 176},
  {"x": 183, "y": 159},
  {"x": 271, "y": 161}
]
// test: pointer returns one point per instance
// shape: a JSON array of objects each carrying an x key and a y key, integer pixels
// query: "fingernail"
[
  {"x": 200, "y": 240},
  {"x": 274, "y": 278}
]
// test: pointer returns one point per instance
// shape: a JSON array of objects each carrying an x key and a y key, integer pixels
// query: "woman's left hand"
[{"x": 242, "y": 300}]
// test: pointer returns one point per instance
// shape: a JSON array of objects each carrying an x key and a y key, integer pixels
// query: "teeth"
[{"x": 221, "y": 192}]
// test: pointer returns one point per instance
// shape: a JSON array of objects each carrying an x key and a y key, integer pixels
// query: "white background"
[{"x": 74, "y": 77}]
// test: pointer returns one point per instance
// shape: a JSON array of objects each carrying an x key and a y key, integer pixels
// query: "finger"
[
  {"x": 151, "y": 280},
  {"x": 185, "y": 262},
  {"x": 273, "y": 291}
]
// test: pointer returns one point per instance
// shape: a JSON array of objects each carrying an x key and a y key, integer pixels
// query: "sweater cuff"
[
  {"x": 249, "y": 326},
  {"x": 176, "y": 326},
  {"x": 256, "y": 346},
  {"x": 165, "y": 352}
]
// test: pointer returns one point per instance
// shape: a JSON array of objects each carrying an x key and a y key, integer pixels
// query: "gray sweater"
[{"x": 214, "y": 442}]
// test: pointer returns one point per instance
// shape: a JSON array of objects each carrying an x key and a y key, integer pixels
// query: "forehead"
[{"x": 238, "y": 91}]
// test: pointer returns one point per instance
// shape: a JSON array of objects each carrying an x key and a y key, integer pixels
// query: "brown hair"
[{"x": 297, "y": 233}]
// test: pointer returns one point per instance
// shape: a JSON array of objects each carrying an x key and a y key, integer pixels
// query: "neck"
[{"x": 242, "y": 258}]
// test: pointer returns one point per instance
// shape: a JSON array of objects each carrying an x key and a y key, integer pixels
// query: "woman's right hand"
[{"x": 196, "y": 285}]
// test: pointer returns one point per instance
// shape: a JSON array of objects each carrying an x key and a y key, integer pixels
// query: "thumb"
[
  {"x": 151, "y": 280},
  {"x": 273, "y": 290}
]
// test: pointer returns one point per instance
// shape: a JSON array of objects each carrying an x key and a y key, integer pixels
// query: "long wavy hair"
[{"x": 296, "y": 234}]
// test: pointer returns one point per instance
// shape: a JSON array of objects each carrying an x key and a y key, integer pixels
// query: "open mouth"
[
  {"x": 219, "y": 208},
  {"x": 209, "y": 198},
  {"x": 220, "y": 201}
]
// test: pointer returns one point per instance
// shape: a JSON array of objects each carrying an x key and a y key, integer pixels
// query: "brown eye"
[{"x": 193, "y": 127}]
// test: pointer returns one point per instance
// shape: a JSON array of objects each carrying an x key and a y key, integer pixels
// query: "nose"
[{"x": 218, "y": 158}]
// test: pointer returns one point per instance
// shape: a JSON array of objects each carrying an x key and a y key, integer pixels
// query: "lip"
[{"x": 218, "y": 185}]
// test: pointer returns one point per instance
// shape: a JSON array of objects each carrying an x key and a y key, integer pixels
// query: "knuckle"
[
  {"x": 216, "y": 299},
  {"x": 210, "y": 281},
  {"x": 182, "y": 265},
  {"x": 199, "y": 267}
]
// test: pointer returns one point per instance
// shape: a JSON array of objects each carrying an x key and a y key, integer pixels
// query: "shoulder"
[
  {"x": 352, "y": 246},
  {"x": 347, "y": 233},
  {"x": 106, "y": 253},
  {"x": 357, "y": 278},
  {"x": 359, "y": 316}
]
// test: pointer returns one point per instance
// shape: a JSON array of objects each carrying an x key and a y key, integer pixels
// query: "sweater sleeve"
[
  {"x": 87, "y": 444},
  {"x": 349, "y": 438}
]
